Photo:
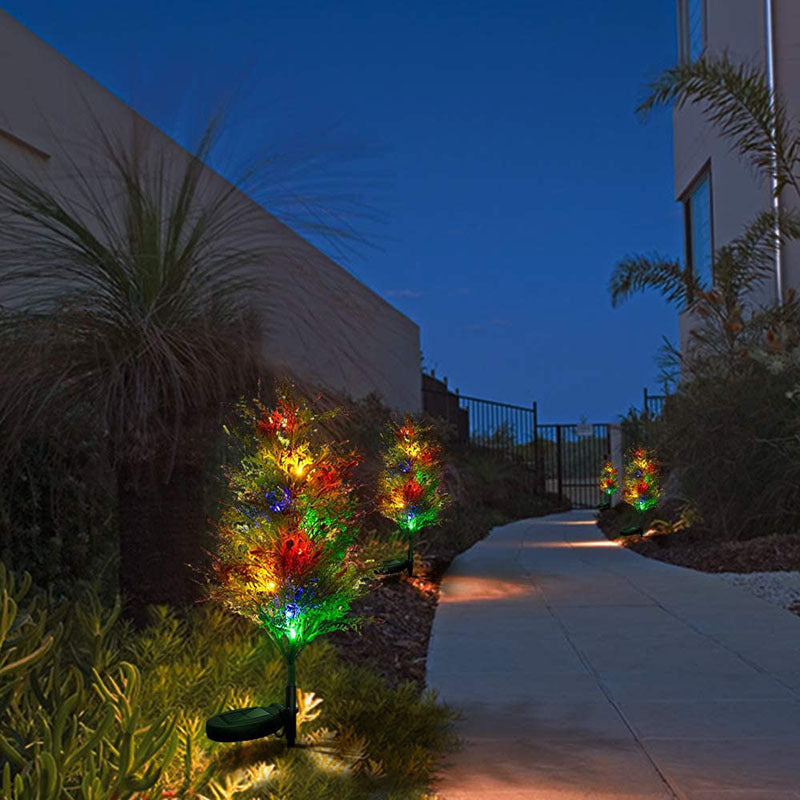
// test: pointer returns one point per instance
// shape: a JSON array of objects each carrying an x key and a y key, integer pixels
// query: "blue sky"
[{"x": 498, "y": 143}]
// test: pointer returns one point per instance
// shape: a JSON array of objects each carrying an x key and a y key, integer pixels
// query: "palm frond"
[
  {"x": 737, "y": 100},
  {"x": 668, "y": 360},
  {"x": 749, "y": 259},
  {"x": 635, "y": 274},
  {"x": 135, "y": 294}
]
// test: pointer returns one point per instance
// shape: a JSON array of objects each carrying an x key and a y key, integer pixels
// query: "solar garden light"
[
  {"x": 641, "y": 488},
  {"x": 410, "y": 492},
  {"x": 285, "y": 552},
  {"x": 608, "y": 484}
]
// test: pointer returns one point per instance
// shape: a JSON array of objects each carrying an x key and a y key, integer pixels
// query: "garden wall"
[{"x": 318, "y": 321}]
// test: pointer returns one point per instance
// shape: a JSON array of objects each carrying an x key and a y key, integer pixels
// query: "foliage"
[
  {"x": 285, "y": 552},
  {"x": 735, "y": 440},
  {"x": 688, "y": 517},
  {"x": 502, "y": 437},
  {"x": 641, "y": 486},
  {"x": 92, "y": 710},
  {"x": 133, "y": 293},
  {"x": 633, "y": 274},
  {"x": 638, "y": 427},
  {"x": 738, "y": 101},
  {"x": 731, "y": 432},
  {"x": 139, "y": 312},
  {"x": 72, "y": 724}
]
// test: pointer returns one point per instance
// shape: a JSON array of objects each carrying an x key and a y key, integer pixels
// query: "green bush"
[
  {"x": 733, "y": 437},
  {"x": 92, "y": 710},
  {"x": 57, "y": 517}
]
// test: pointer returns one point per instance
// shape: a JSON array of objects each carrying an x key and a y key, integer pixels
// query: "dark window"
[{"x": 698, "y": 233}]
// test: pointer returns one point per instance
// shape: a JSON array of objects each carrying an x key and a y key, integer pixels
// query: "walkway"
[{"x": 587, "y": 672}]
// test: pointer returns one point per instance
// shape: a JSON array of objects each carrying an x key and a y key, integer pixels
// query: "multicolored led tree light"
[
  {"x": 285, "y": 553},
  {"x": 410, "y": 493},
  {"x": 642, "y": 486},
  {"x": 608, "y": 483}
]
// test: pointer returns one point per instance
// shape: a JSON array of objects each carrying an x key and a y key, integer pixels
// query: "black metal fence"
[
  {"x": 571, "y": 458},
  {"x": 653, "y": 404},
  {"x": 563, "y": 459}
]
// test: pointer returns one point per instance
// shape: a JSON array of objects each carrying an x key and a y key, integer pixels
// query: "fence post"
[
  {"x": 558, "y": 462},
  {"x": 538, "y": 472}
]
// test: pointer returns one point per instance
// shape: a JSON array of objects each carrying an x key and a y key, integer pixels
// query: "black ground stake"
[
  {"x": 290, "y": 728},
  {"x": 634, "y": 530},
  {"x": 392, "y": 567}
]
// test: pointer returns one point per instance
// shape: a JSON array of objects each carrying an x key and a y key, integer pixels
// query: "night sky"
[{"x": 496, "y": 142}]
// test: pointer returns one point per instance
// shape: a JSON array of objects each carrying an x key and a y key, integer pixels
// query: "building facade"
[
  {"x": 720, "y": 192},
  {"x": 320, "y": 323}
]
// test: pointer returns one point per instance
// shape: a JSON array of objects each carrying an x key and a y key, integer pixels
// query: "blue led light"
[{"x": 278, "y": 500}]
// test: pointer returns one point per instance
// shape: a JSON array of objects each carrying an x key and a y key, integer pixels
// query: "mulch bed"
[
  {"x": 401, "y": 609},
  {"x": 764, "y": 554},
  {"x": 693, "y": 548}
]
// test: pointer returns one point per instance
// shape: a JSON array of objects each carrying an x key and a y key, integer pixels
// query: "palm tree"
[
  {"x": 130, "y": 294},
  {"x": 738, "y": 101},
  {"x": 727, "y": 324}
]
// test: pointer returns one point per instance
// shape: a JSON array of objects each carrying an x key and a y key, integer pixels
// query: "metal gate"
[
  {"x": 570, "y": 458},
  {"x": 563, "y": 459}
]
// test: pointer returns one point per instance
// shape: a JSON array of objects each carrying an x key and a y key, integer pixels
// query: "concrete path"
[{"x": 587, "y": 672}]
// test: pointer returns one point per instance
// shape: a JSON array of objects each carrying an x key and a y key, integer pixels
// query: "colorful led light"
[
  {"x": 609, "y": 482},
  {"x": 285, "y": 555},
  {"x": 409, "y": 490},
  {"x": 642, "y": 487}
]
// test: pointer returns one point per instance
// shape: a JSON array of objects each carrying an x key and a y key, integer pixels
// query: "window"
[
  {"x": 698, "y": 231},
  {"x": 691, "y": 29}
]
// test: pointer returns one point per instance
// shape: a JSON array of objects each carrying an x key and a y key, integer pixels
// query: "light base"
[
  {"x": 392, "y": 566},
  {"x": 243, "y": 724}
]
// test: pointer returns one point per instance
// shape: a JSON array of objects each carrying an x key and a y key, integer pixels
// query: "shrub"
[
  {"x": 733, "y": 437},
  {"x": 93, "y": 710}
]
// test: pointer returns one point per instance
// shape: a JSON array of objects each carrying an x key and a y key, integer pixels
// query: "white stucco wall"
[
  {"x": 739, "y": 193},
  {"x": 319, "y": 321}
]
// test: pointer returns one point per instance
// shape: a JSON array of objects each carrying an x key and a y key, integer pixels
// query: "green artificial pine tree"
[
  {"x": 410, "y": 492},
  {"x": 286, "y": 554}
]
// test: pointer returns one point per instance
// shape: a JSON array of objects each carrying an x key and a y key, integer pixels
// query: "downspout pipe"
[{"x": 776, "y": 206}]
